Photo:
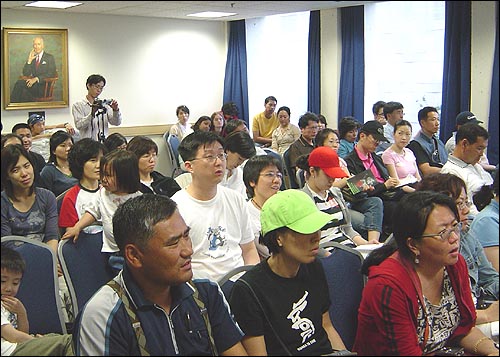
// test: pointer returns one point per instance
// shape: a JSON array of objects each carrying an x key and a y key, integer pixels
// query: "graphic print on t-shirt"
[
  {"x": 217, "y": 241},
  {"x": 302, "y": 323}
]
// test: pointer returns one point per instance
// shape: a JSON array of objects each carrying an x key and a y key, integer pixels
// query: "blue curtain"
[
  {"x": 314, "y": 61},
  {"x": 494, "y": 117},
  {"x": 457, "y": 65},
  {"x": 235, "y": 80},
  {"x": 352, "y": 73}
]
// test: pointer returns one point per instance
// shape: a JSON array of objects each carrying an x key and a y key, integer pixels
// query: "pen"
[{"x": 188, "y": 319}]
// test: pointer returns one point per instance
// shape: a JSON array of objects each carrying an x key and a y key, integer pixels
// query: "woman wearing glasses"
[
  {"x": 262, "y": 176},
  {"x": 417, "y": 299},
  {"x": 483, "y": 277},
  {"x": 93, "y": 116}
]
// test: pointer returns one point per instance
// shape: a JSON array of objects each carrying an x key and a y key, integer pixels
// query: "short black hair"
[
  {"x": 94, "y": 79},
  {"x": 347, "y": 124},
  {"x": 306, "y": 118},
  {"x": 253, "y": 168},
  {"x": 11, "y": 260},
  {"x": 241, "y": 143},
  {"x": 471, "y": 131},
  {"x": 191, "y": 143},
  {"x": 83, "y": 150}
]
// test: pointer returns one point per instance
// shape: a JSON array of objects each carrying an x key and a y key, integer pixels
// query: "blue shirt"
[
  {"x": 103, "y": 326},
  {"x": 345, "y": 147},
  {"x": 485, "y": 225},
  {"x": 425, "y": 150}
]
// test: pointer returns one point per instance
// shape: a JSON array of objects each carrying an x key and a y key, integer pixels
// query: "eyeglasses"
[
  {"x": 462, "y": 205},
  {"x": 273, "y": 175},
  {"x": 312, "y": 127},
  {"x": 445, "y": 234},
  {"x": 97, "y": 86},
  {"x": 211, "y": 158}
]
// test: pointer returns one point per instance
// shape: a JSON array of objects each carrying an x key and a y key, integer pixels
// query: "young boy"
[{"x": 16, "y": 340}]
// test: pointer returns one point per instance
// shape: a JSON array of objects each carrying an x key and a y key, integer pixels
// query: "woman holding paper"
[{"x": 399, "y": 160}]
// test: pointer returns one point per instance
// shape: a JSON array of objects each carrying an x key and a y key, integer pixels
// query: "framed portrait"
[{"x": 35, "y": 68}]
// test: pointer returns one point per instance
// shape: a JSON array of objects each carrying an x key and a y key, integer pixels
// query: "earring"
[{"x": 416, "y": 259}]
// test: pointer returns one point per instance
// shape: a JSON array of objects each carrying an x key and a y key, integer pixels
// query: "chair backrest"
[
  {"x": 289, "y": 171},
  {"x": 300, "y": 177},
  {"x": 48, "y": 93},
  {"x": 172, "y": 142},
  {"x": 278, "y": 156},
  {"x": 345, "y": 284},
  {"x": 83, "y": 267},
  {"x": 39, "y": 290},
  {"x": 227, "y": 281}
]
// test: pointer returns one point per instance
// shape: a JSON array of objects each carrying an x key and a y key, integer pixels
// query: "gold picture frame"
[{"x": 35, "y": 85}]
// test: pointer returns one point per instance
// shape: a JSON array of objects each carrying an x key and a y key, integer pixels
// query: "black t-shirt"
[{"x": 294, "y": 306}]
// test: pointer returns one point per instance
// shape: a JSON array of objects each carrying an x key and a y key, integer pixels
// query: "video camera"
[{"x": 99, "y": 103}]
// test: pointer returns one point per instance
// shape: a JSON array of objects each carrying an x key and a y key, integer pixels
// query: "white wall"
[{"x": 151, "y": 65}]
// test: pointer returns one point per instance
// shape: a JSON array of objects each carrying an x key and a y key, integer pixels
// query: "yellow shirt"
[{"x": 265, "y": 126}]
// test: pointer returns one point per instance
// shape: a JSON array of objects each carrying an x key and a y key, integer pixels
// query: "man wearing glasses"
[
  {"x": 221, "y": 232},
  {"x": 308, "y": 124},
  {"x": 92, "y": 114}
]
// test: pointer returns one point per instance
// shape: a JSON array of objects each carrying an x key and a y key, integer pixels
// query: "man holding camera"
[{"x": 93, "y": 115}]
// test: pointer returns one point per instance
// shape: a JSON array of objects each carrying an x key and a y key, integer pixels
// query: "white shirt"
[{"x": 218, "y": 227}]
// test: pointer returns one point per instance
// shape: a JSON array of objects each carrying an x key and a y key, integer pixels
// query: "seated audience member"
[
  {"x": 16, "y": 340},
  {"x": 203, "y": 123},
  {"x": 429, "y": 150},
  {"x": 322, "y": 123},
  {"x": 56, "y": 175},
  {"x": 471, "y": 141},
  {"x": 418, "y": 298},
  {"x": 348, "y": 132},
  {"x": 218, "y": 124},
  {"x": 41, "y": 133},
  {"x": 462, "y": 119},
  {"x": 218, "y": 216},
  {"x": 399, "y": 160},
  {"x": 181, "y": 128},
  {"x": 152, "y": 181},
  {"x": 263, "y": 124},
  {"x": 262, "y": 175},
  {"x": 177, "y": 315},
  {"x": 363, "y": 158},
  {"x": 10, "y": 139},
  {"x": 393, "y": 112},
  {"x": 286, "y": 133},
  {"x": 321, "y": 167},
  {"x": 235, "y": 125},
  {"x": 27, "y": 210},
  {"x": 378, "y": 112},
  {"x": 24, "y": 132},
  {"x": 230, "y": 111},
  {"x": 485, "y": 227},
  {"x": 239, "y": 147},
  {"x": 115, "y": 141},
  {"x": 119, "y": 171},
  {"x": 308, "y": 124},
  {"x": 483, "y": 277},
  {"x": 84, "y": 162},
  {"x": 366, "y": 213},
  {"x": 282, "y": 303}
]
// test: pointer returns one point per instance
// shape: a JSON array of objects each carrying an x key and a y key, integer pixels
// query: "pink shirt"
[
  {"x": 369, "y": 165},
  {"x": 404, "y": 163}
]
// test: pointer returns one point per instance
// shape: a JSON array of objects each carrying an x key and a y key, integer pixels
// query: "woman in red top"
[{"x": 418, "y": 299}]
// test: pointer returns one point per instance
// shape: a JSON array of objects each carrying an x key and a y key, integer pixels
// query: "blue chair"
[
  {"x": 227, "y": 281},
  {"x": 278, "y": 157},
  {"x": 84, "y": 267},
  {"x": 39, "y": 290},
  {"x": 173, "y": 143},
  {"x": 289, "y": 171},
  {"x": 345, "y": 284}
]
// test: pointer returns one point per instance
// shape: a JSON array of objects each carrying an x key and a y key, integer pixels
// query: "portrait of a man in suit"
[{"x": 38, "y": 66}]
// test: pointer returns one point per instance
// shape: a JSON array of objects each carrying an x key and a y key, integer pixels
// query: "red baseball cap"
[{"x": 327, "y": 160}]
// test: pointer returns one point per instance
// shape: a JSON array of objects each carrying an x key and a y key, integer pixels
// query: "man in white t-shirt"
[
  {"x": 221, "y": 233},
  {"x": 471, "y": 141}
]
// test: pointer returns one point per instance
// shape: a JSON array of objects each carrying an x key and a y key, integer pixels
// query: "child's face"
[
  {"x": 10, "y": 282},
  {"x": 108, "y": 179}
]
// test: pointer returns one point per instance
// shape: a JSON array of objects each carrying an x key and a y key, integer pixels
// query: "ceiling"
[{"x": 179, "y": 9}]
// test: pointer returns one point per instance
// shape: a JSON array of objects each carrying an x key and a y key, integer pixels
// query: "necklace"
[{"x": 256, "y": 204}]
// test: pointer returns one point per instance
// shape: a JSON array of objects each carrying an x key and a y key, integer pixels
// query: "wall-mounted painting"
[{"x": 35, "y": 70}]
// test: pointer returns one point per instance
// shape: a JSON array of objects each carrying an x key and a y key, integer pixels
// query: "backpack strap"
[
  {"x": 136, "y": 324},
  {"x": 204, "y": 314}
]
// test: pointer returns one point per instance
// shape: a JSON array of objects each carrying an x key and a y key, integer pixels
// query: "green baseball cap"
[{"x": 293, "y": 209}]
